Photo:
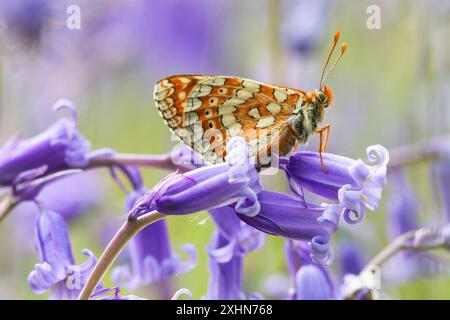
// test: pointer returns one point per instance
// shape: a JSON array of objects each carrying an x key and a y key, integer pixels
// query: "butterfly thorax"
[{"x": 310, "y": 115}]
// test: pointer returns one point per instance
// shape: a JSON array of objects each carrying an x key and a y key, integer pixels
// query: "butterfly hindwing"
[{"x": 206, "y": 111}]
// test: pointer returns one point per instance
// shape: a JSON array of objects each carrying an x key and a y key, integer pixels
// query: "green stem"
[
  {"x": 6, "y": 206},
  {"x": 417, "y": 152},
  {"x": 395, "y": 246},
  {"x": 399, "y": 244},
  {"x": 128, "y": 230},
  {"x": 141, "y": 160}
]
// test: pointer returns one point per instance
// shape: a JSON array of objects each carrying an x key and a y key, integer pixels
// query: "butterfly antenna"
[
  {"x": 335, "y": 41},
  {"x": 343, "y": 48}
]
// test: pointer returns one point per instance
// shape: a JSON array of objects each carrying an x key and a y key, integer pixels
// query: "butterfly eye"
[{"x": 322, "y": 97}]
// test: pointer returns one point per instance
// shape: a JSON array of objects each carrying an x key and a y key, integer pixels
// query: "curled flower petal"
[
  {"x": 321, "y": 251},
  {"x": 42, "y": 278},
  {"x": 180, "y": 292}
]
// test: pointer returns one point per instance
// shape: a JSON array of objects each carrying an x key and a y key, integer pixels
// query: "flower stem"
[
  {"x": 130, "y": 228},
  {"x": 390, "y": 250},
  {"x": 141, "y": 160},
  {"x": 401, "y": 243},
  {"x": 6, "y": 205},
  {"x": 421, "y": 151}
]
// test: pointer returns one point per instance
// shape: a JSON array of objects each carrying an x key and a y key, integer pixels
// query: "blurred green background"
[{"x": 391, "y": 88}]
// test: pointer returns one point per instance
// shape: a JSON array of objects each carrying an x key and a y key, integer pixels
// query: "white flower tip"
[
  {"x": 179, "y": 293},
  {"x": 66, "y": 104},
  {"x": 378, "y": 154},
  {"x": 237, "y": 151},
  {"x": 63, "y": 103}
]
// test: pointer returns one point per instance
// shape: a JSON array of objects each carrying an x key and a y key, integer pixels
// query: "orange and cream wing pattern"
[{"x": 206, "y": 111}]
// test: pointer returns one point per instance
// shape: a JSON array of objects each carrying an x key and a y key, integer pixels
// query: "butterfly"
[{"x": 206, "y": 111}]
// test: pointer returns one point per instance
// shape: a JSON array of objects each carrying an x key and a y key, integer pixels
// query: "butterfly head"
[
  {"x": 321, "y": 99},
  {"x": 324, "y": 97}
]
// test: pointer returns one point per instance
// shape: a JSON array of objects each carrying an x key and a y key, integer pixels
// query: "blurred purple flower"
[
  {"x": 403, "y": 216},
  {"x": 403, "y": 209},
  {"x": 443, "y": 168},
  {"x": 55, "y": 197},
  {"x": 230, "y": 243},
  {"x": 57, "y": 270},
  {"x": 299, "y": 255},
  {"x": 58, "y": 148},
  {"x": 188, "y": 36},
  {"x": 235, "y": 181},
  {"x": 351, "y": 260},
  {"x": 152, "y": 260},
  {"x": 312, "y": 284},
  {"x": 288, "y": 217},
  {"x": 304, "y": 25},
  {"x": 355, "y": 185},
  {"x": 24, "y": 20}
]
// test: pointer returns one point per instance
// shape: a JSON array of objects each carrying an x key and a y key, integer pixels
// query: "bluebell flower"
[
  {"x": 57, "y": 270},
  {"x": 304, "y": 25},
  {"x": 443, "y": 173},
  {"x": 286, "y": 216},
  {"x": 60, "y": 147},
  {"x": 355, "y": 185},
  {"x": 312, "y": 284},
  {"x": 351, "y": 259},
  {"x": 403, "y": 208},
  {"x": 403, "y": 216},
  {"x": 232, "y": 241},
  {"x": 54, "y": 196},
  {"x": 25, "y": 20},
  {"x": 233, "y": 182},
  {"x": 299, "y": 255},
  {"x": 152, "y": 259}
]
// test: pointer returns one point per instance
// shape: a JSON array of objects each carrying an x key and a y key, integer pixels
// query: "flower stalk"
[
  {"x": 423, "y": 239},
  {"x": 131, "y": 227},
  {"x": 6, "y": 205},
  {"x": 417, "y": 152}
]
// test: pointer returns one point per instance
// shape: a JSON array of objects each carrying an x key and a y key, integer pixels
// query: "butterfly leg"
[
  {"x": 294, "y": 148},
  {"x": 323, "y": 142}
]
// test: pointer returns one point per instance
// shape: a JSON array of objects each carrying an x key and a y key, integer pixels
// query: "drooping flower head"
[
  {"x": 312, "y": 284},
  {"x": 351, "y": 259},
  {"x": 233, "y": 182},
  {"x": 56, "y": 270},
  {"x": 355, "y": 185},
  {"x": 59, "y": 148},
  {"x": 229, "y": 245},
  {"x": 311, "y": 280},
  {"x": 286, "y": 216}
]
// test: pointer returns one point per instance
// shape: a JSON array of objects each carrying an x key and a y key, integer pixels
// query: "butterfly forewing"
[{"x": 206, "y": 111}]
